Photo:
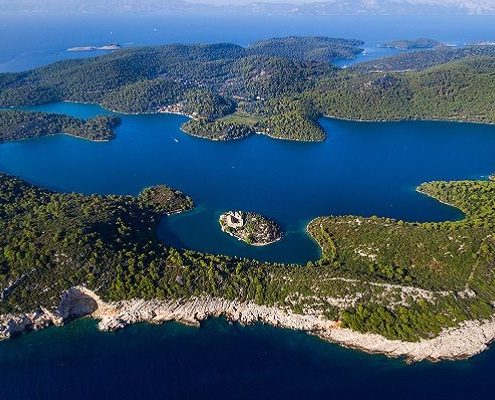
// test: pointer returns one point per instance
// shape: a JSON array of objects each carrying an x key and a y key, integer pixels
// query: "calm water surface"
[
  {"x": 220, "y": 361},
  {"x": 363, "y": 168},
  {"x": 32, "y": 40}
]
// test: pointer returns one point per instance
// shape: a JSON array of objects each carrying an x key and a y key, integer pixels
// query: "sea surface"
[
  {"x": 363, "y": 168},
  {"x": 221, "y": 361}
]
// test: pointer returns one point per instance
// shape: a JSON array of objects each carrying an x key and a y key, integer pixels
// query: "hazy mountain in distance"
[{"x": 304, "y": 7}]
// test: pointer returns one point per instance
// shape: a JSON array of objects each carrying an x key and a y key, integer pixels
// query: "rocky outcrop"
[
  {"x": 74, "y": 303},
  {"x": 77, "y": 302},
  {"x": 471, "y": 338}
]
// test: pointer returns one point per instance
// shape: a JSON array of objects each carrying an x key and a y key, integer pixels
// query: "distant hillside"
[
  {"x": 316, "y": 48},
  {"x": 463, "y": 90},
  {"x": 418, "y": 60}
]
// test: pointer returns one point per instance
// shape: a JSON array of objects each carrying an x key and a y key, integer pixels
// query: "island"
[
  {"x": 415, "y": 44},
  {"x": 252, "y": 228},
  {"x": 107, "y": 47}
]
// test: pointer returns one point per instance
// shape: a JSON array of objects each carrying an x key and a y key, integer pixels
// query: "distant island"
[
  {"x": 252, "y": 228},
  {"x": 107, "y": 47},
  {"x": 483, "y": 43},
  {"x": 412, "y": 44}
]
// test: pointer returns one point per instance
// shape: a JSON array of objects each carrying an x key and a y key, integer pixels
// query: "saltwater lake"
[{"x": 362, "y": 168}]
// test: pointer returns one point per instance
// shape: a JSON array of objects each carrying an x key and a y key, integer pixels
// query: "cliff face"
[
  {"x": 74, "y": 303},
  {"x": 470, "y": 338}
]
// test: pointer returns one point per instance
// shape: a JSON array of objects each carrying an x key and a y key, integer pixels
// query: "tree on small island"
[
  {"x": 165, "y": 200},
  {"x": 252, "y": 228}
]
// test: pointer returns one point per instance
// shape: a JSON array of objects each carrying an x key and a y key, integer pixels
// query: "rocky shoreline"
[{"x": 469, "y": 339}]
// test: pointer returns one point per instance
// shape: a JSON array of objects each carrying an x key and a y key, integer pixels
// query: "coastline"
[
  {"x": 250, "y": 244},
  {"x": 328, "y": 116},
  {"x": 60, "y": 133},
  {"x": 457, "y": 121},
  {"x": 466, "y": 340}
]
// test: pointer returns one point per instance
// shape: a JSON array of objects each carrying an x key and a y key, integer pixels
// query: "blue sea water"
[
  {"x": 363, "y": 168},
  {"x": 33, "y": 39},
  {"x": 220, "y": 361}
]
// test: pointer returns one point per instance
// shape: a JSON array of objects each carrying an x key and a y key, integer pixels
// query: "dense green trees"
[
  {"x": 146, "y": 96},
  {"x": 418, "y": 60},
  {"x": 404, "y": 281},
  {"x": 218, "y": 130},
  {"x": 405, "y": 44},
  {"x": 207, "y": 105},
  {"x": 462, "y": 90},
  {"x": 164, "y": 200},
  {"x": 22, "y": 125},
  {"x": 285, "y": 84},
  {"x": 320, "y": 49},
  {"x": 443, "y": 256}
]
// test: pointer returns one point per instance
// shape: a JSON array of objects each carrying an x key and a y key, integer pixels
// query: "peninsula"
[
  {"x": 415, "y": 44},
  {"x": 15, "y": 125},
  {"x": 252, "y": 228}
]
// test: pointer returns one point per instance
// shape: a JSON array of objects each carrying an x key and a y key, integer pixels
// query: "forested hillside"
[
  {"x": 462, "y": 91},
  {"x": 418, "y": 60},
  {"x": 317, "y": 48},
  {"x": 284, "y": 85}
]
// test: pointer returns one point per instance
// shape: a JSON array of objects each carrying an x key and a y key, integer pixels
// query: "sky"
[{"x": 260, "y": 6}]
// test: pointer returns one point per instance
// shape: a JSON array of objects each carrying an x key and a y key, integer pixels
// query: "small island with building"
[
  {"x": 107, "y": 47},
  {"x": 252, "y": 228}
]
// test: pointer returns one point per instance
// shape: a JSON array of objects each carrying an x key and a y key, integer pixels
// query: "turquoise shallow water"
[{"x": 362, "y": 168}]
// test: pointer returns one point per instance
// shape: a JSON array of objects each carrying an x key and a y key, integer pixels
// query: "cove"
[{"x": 361, "y": 169}]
